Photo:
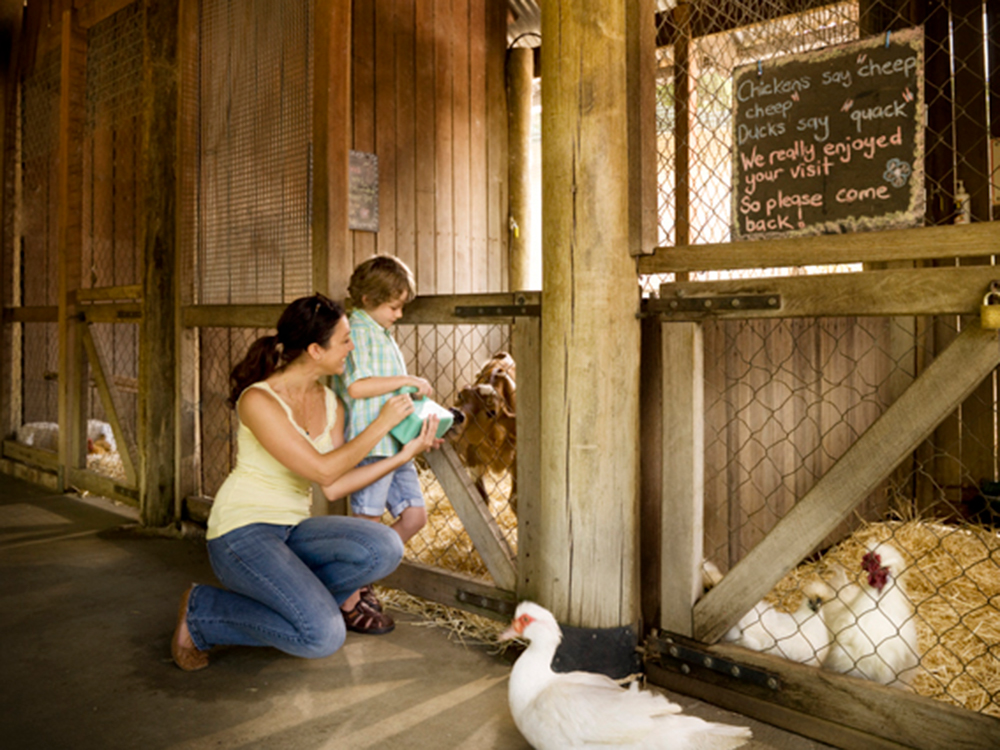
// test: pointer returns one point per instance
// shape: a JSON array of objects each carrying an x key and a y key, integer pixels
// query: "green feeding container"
[{"x": 410, "y": 427}]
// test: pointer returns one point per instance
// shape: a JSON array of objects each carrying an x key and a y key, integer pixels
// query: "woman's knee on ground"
[{"x": 322, "y": 639}]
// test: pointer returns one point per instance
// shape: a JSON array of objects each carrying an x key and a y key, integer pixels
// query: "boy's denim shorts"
[{"x": 396, "y": 491}]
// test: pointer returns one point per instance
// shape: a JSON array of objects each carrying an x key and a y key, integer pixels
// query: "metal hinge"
[{"x": 499, "y": 606}]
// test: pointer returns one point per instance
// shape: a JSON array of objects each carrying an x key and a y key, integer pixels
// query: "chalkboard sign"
[
  {"x": 830, "y": 141},
  {"x": 363, "y": 187}
]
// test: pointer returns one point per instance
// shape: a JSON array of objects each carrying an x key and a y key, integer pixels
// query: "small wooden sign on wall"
[
  {"x": 363, "y": 189},
  {"x": 830, "y": 141}
]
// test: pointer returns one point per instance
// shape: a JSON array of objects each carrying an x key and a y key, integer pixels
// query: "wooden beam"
[
  {"x": 72, "y": 110},
  {"x": 952, "y": 376},
  {"x": 130, "y": 291},
  {"x": 847, "y": 712},
  {"x": 108, "y": 402},
  {"x": 520, "y": 65},
  {"x": 453, "y": 590},
  {"x": 958, "y": 241},
  {"x": 231, "y": 316},
  {"x": 896, "y": 291},
  {"x": 479, "y": 523},
  {"x": 33, "y": 314},
  {"x": 332, "y": 260},
  {"x": 526, "y": 348},
  {"x": 589, "y": 561},
  {"x": 30, "y": 455},
  {"x": 642, "y": 149},
  {"x": 112, "y": 312},
  {"x": 683, "y": 480},
  {"x": 158, "y": 237},
  {"x": 102, "y": 485}
]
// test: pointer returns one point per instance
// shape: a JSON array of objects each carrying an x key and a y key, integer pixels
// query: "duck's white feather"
[{"x": 561, "y": 711}]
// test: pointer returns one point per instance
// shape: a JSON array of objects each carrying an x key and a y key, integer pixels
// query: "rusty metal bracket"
[
  {"x": 499, "y": 606},
  {"x": 667, "y": 648},
  {"x": 499, "y": 311},
  {"x": 715, "y": 303}
]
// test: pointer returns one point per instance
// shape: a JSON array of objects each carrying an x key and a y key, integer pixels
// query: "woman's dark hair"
[{"x": 307, "y": 320}]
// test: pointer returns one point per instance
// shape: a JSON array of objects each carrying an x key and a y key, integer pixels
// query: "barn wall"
[{"x": 428, "y": 95}]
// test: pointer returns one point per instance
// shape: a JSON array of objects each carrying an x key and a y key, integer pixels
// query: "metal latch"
[
  {"x": 499, "y": 606},
  {"x": 499, "y": 311}
]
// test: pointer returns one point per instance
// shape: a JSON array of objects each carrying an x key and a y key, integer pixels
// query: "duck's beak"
[{"x": 514, "y": 631}]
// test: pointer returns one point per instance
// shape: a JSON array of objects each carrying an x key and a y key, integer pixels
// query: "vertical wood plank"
[
  {"x": 157, "y": 221},
  {"x": 385, "y": 123},
  {"x": 461, "y": 129},
  {"x": 641, "y": 50},
  {"x": 526, "y": 348},
  {"x": 69, "y": 179},
  {"x": 520, "y": 70},
  {"x": 444, "y": 146},
  {"x": 683, "y": 461},
  {"x": 406, "y": 161},
  {"x": 496, "y": 45},
  {"x": 651, "y": 468},
  {"x": 478, "y": 132},
  {"x": 332, "y": 262},
  {"x": 364, "y": 99},
  {"x": 426, "y": 113}
]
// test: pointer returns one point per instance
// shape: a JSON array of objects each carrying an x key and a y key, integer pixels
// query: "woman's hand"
[
  {"x": 396, "y": 409},
  {"x": 423, "y": 387},
  {"x": 426, "y": 440}
]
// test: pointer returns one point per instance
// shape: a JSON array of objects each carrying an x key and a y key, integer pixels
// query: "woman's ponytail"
[{"x": 261, "y": 361}]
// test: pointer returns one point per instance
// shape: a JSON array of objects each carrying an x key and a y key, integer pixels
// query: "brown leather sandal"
[
  {"x": 364, "y": 619},
  {"x": 368, "y": 595}
]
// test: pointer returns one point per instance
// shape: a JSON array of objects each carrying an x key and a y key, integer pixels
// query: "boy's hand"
[
  {"x": 423, "y": 387},
  {"x": 396, "y": 409}
]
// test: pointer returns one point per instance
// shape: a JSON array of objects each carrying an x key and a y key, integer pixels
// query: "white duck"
[
  {"x": 800, "y": 636},
  {"x": 872, "y": 625},
  {"x": 562, "y": 711}
]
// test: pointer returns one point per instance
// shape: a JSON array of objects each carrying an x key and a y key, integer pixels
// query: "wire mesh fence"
[
  {"x": 451, "y": 358},
  {"x": 905, "y": 591}
]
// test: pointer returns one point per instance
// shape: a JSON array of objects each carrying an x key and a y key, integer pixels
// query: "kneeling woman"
[{"x": 292, "y": 580}]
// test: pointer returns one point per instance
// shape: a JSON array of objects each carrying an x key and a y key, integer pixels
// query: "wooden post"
[
  {"x": 588, "y": 558},
  {"x": 332, "y": 261},
  {"x": 157, "y": 221},
  {"x": 683, "y": 460},
  {"x": 520, "y": 70},
  {"x": 72, "y": 92},
  {"x": 641, "y": 43},
  {"x": 526, "y": 347}
]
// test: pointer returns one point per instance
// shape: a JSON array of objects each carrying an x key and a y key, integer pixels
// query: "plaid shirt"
[{"x": 375, "y": 354}]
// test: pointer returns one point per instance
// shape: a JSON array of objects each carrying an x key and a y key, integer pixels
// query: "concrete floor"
[{"x": 87, "y": 606}]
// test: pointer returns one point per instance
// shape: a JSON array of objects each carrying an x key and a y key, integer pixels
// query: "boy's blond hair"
[{"x": 381, "y": 279}]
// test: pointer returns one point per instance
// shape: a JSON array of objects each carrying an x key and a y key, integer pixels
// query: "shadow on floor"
[{"x": 88, "y": 606}]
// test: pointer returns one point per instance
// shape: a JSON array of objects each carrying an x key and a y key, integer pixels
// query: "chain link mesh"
[{"x": 784, "y": 399}]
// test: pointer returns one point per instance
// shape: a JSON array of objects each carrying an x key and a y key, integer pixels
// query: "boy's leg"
[
  {"x": 406, "y": 501},
  {"x": 410, "y": 521}
]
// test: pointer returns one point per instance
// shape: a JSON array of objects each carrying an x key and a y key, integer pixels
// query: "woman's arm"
[
  {"x": 362, "y": 476},
  {"x": 269, "y": 423}
]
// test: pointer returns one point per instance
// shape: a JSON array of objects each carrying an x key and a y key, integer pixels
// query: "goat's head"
[{"x": 484, "y": 409}]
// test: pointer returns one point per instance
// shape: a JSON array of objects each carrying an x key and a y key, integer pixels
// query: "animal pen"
[{"x": 804, "y": 396}]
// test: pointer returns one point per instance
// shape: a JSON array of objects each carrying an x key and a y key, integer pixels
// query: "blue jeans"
[{"x": 285, "y": 583}]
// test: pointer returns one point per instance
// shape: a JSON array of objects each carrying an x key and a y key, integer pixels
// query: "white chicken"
[
  {"x": 800, "y": 636},
  {"x": 562, "y": 711},
  {"x": 872, "y": 628}
]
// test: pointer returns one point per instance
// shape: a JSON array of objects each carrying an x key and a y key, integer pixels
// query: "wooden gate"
[{"x": 686, "y": 655}]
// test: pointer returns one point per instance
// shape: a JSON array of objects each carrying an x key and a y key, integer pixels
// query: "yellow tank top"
[{"x": 260, "y": 489}]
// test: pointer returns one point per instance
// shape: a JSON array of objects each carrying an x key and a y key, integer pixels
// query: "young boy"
[{"x": 374, "y": 371}]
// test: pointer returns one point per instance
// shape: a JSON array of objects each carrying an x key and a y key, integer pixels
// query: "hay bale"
[{"x": 953, "y": 579}]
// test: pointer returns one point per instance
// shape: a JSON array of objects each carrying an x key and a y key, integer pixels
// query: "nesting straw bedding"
[{"x": 953, "y": 579}]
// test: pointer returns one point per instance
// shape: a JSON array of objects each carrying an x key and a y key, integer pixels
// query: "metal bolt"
[
  {"x": 735, "y": 671},
  {"x": 708, "y": 662},
  {"x": 685, "y": 669},
  {"x": 675, "y": 652},
  {"x": 772, "y": 683}
]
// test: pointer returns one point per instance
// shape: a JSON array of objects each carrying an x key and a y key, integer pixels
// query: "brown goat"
[{"x": 487, "y": 437}]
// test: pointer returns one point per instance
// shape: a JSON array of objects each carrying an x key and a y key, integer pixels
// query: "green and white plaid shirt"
[{"x": 375, "y": 355}]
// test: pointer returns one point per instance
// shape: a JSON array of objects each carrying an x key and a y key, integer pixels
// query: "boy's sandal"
[
  {"x": 368, "y": 596},
  {"x": 364, "y": 619}
]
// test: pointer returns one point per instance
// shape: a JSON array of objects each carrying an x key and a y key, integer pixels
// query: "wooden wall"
[{"x": 428, "y": 99}]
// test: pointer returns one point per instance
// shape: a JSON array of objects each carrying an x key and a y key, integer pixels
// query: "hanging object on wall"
[{"x": 363, "y": 188}]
